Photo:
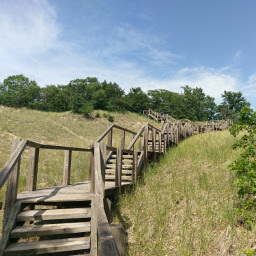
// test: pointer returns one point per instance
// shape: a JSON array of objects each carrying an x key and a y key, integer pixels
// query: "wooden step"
[
  {"x": 55, "y": 214},
  {"x": 48, "y": 246},
  {"x": 51, "y": 229},
  {"x": 124, "y": 166},
  {"x": 124, "y": 157},
  {"x": 125, "y": 161},
  {"x": 113, "y": 171},
  {"x": 112, "y": 177}
]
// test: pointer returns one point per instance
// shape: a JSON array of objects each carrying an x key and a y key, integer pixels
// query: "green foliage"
[
  {"x": 198, "y": 106},
  {"x": 80, "y": 95},
  {"x": 18, "y": 91},
  {"x": 97, "y": 115},
  {"x": 105, "y": 115},
  {"x": 110, "y": 118},
  {"x": 250, "y": 252},
  {"x": 232, "y": 104},
  {"x": 245, "y": 164},
  {"x": 86, "y": 109},
  {"x": 137, "y": 100}
]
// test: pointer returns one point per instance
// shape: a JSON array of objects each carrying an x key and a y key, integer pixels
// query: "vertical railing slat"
[{"x": 33, "y": 168}]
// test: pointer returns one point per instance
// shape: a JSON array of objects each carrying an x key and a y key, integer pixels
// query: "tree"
[
  {"x": 198, "y": 106},
  {"x": 231, "y": 105},
  {"x": 137, "y": 100},
  {"x": 245, "y": 164},
  {"x": 18, "y": 91},
  {"x": 167, "y": 102}
]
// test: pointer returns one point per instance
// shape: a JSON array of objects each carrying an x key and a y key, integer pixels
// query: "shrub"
[
  {"x": 86, "y": 110},
  {"x": 105, "y": 115},
  {"x": 245, "y": 164},
  {"x": 110, "y": 118},
  {"x": 97, "y": 115}
]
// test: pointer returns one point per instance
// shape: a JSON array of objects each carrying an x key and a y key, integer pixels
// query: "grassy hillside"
[
  {"x": 65, "y": 129},
  {"x": 185, "y": 205}
]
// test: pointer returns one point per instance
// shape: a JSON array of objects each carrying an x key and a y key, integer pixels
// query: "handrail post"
[
  {"x": 159, "y": 142},
  {"x": 135, "y": 166},
  {"x": 146, "y": 145},
  {"x": 33, "y": 168},
  {"x": 119, "y": 160},
  {"x": 92, "y": 170},
  {"x": 122, "y": 139},
  {"x": 110, "y": 137},
  {"x": 132, "y": 137},
  {"x": 12, "y": 186},
  {"x": 168, "y": 134},
  {"x": 67, "y": 167},
  {"x": 154, "y": 142},
  {"x": 139, "y": 146}
]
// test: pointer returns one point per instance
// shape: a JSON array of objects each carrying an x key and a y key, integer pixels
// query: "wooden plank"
[
  {"x": 138, "y": 135},
  {"x": 146, "y": 145},
  {"x": 113, "y": 171},
  {"x": 104, "y": 134},
  {"x": 110, "y": 139},
  {"x": 48, "y": 246},
  {"x": 51, "y": 229},
  {"x": 94, "y": 224},
  {"x": 54, "y": 214},
  {"x": 122, "y": 139},
  {"x": 12, "y": 186},
  {"x": 8, "y": 168},
  {"x": 119, "y": 168},
  {"x": 124, "y": 166},
  {"x": 134, "y": 169},
  {"x": 33, "y": 168},
  {"x": 67, "y": 167},
  {"x": 55, "y": 198},
  {"x": 92, "y": 172},
  {"x": 123, "y": 177},
  {"x": 37, "y": 145},
  {"x": 5, "y": 240},
  {"x": 168, "y": 134}
]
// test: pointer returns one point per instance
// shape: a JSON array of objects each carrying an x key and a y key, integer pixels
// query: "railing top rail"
[
  {"x": 7, "y": 169},
  {"x": 104, "y": 134},
  {"x": 136, "y": 137},
  {"x": 124, "y": 129},
  {"x": 152, "y": 127},
  {"x": 114, "y": 149},
  {"x": 38, "y": 145}
]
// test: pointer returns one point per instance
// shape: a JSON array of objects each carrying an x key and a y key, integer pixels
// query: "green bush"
[
  {"x": 245, "y": 164},
  {"x": 97, "y": 115},
  {"x": 86, "y": 110},
  {"x": 110, "y": 118},
  {"x": 105, "y": 115}
]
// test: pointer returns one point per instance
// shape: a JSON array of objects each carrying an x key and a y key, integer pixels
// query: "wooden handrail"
[
  {"x": 38, "y": 145},
  {"x": 138, "y": 135},
  {"x": 7, "y": 169}
]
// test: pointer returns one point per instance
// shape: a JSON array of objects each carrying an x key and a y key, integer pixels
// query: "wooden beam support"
[
  {"x": 33, "y": 169},
  {"x": 67, "y": 167},
  {"x": 12, "y": 186}
]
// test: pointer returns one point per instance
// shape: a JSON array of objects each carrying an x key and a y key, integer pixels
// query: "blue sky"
[{"x": 153, "y": 44}]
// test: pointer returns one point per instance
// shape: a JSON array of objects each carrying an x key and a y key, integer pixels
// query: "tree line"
[{"x": 85, "y": 95}]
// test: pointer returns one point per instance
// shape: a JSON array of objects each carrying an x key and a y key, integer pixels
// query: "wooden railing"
[
  {"x": 148, "y": 142},
  {"x": 11, "y": 170}
]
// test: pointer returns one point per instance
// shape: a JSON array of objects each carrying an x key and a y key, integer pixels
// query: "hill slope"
[
  {"x": 185, "y": 204},
  {"x": 66, "y": 129}
]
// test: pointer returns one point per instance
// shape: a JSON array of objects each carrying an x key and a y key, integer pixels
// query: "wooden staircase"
[
  {"x": 127, "y": 166},
  {"x": 50, "y": 229}
]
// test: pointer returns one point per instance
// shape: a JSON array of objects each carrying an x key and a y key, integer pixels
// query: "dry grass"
[
  {"x": 185, "y": 205},
  {"x": 64, "y": 129}
]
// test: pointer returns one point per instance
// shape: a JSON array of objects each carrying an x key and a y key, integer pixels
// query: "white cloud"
[{"x": 31, "y": 44}]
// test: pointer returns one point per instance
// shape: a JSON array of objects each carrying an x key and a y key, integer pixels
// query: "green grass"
[
  {"x": 186, "y": 204},
  {"x": 66, "y": 129}
]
